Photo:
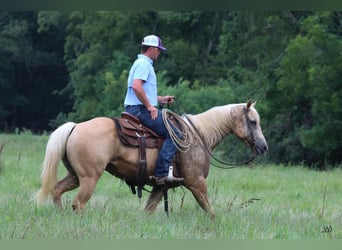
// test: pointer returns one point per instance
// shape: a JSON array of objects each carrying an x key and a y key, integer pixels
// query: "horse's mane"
[{"x": 215, "y": 123}]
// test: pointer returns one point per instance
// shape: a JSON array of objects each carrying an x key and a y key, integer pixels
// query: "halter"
[{"x": 228, "y": 164}]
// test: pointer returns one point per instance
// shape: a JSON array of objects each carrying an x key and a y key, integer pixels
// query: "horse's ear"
[{"x": 250, "y": 103}]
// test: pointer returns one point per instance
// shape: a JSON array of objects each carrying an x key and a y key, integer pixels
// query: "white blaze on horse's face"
[{"x": 248, "y": 129}]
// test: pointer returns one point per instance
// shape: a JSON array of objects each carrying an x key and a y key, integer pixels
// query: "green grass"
[{"x": 264, "y": 202}]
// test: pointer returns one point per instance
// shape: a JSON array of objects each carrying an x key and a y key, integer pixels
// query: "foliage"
[
  {"x": 31, "y": 73},
  {"x": 309, "y": 86},
  {"x": 58, "y": 66}
]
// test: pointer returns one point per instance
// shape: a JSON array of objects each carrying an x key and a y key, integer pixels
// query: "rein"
[
  {"x": 228, "y": 165},
  {"x": 251, "y": 158}
]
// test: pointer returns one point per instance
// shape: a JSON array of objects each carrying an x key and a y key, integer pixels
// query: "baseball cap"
[{"x": 154, "y": 41}]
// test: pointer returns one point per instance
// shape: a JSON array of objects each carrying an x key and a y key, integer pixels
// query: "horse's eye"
[{"x": 253, "y": 123}]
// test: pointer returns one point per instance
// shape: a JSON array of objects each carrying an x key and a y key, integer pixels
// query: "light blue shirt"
[{"x": 142, "y": 69}]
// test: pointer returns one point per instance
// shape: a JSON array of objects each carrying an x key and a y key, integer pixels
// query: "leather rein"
[{"x": 228, "y": 165}]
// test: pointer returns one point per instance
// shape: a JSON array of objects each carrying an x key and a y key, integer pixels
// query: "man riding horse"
[
  {"x": 142, "y": 99},
  {"x": 91, "y": 147}
]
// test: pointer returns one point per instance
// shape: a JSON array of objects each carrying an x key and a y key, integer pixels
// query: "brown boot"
[{"x": 166, "y": 179}]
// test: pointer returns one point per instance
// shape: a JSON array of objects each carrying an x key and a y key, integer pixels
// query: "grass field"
[{"x": 264, "y": 202}]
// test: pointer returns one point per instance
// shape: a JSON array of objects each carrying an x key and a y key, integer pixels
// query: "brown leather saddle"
[
  {"x": 133, "y": 134},
  {"x": 131, "y": 131}
]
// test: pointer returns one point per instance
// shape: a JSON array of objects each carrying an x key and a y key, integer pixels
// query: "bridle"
[{"x": 228, "y": 165}]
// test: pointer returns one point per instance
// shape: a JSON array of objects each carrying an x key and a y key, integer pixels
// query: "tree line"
[{"x": 58, "y": 66}]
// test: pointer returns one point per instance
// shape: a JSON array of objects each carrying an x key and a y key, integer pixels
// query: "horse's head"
[{"x": 247, "y": 128}]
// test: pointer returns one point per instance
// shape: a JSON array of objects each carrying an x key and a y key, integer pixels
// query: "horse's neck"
[{"x": 214, "y": 124}]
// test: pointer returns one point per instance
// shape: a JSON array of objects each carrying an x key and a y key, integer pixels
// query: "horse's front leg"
[
  {"x": 154, "y": 199},
  {"x": 200, "y": 191}
]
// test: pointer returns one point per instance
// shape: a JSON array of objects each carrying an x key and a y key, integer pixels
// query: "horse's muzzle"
[{"x": 261, "y": 147}]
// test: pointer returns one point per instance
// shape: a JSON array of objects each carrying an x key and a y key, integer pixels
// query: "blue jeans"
[{"x": 168, "y": 148}]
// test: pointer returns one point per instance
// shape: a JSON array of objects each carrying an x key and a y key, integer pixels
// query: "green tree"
[
  {"x": 99, "y": 45},
  {"x": 308, "y": 124},
  {"x": 33, "y": 70},
  {"x": 73, "y": 66}
]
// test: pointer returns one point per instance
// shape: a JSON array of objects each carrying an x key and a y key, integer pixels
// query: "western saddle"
[{"x": 133, "y": 134}]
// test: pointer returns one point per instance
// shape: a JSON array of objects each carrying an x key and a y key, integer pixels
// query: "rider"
[{"x": 142, "y": 99}]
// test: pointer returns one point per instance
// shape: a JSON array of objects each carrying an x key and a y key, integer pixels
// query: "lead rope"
[
  {"x": 183, "y": 142},
  {"x": 234, "y": 165}
]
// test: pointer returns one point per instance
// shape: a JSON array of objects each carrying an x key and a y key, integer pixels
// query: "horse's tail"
[{"x": 55, "y": 151}]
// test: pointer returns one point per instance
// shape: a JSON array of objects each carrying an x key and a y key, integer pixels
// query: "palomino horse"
[{"x": 89, "y": 148}]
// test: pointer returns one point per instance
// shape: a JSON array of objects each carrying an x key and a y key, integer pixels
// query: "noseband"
[{"x": 228, "y": 164}]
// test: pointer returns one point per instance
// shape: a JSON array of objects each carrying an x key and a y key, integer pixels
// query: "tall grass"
[{"x": 264, "y": 202}]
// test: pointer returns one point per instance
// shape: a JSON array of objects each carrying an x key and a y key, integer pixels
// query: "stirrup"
[{"x": 159, "y": 181}]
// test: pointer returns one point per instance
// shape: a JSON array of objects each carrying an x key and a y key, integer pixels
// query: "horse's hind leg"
[
  {"x": 87, "y": 186},
  {"x": 200, "y": 192},
  {"x": 154, "y": 199},
  {"x": 69, "y": 182}
]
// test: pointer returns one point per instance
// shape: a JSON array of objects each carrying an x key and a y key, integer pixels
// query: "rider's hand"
[
  {"x": 168, "y": 99},
  {"x": 153, "y": 111}
]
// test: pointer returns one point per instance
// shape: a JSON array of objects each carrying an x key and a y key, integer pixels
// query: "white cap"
[{"x": 153, "y": 41}]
